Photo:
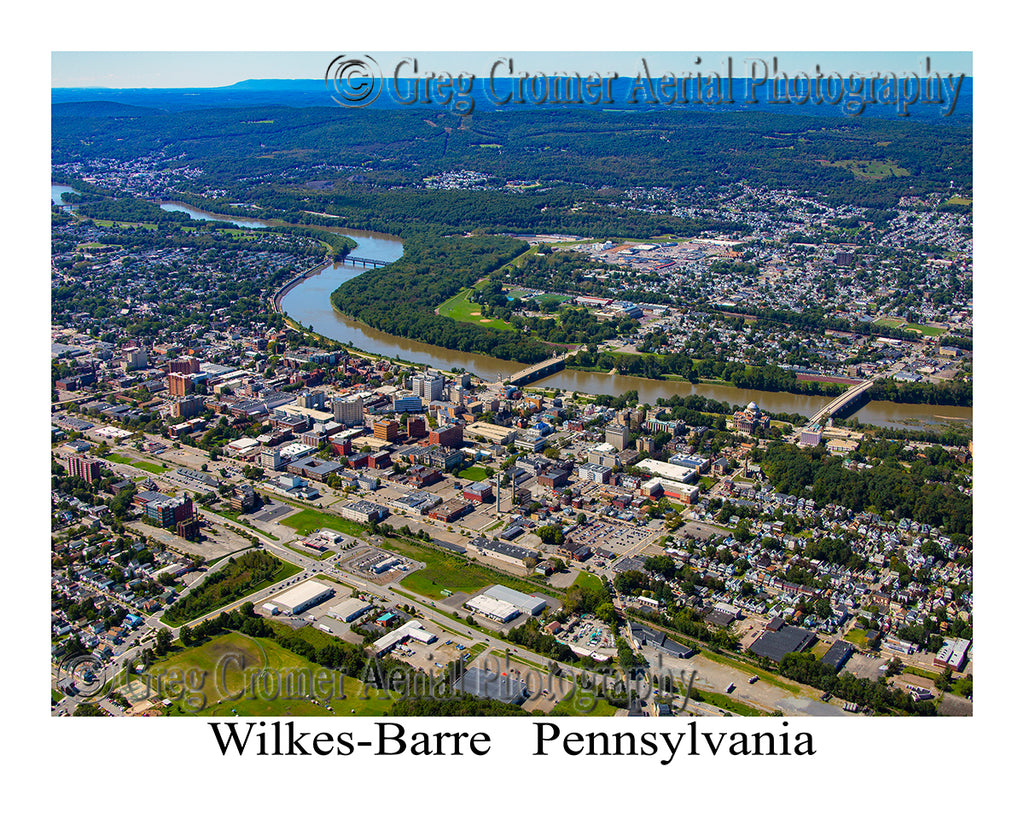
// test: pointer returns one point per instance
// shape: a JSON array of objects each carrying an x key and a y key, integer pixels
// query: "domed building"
[{"x": 749, "y": 419}]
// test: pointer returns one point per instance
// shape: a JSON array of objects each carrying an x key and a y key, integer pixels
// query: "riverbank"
[{"x": 305, "y": 301}]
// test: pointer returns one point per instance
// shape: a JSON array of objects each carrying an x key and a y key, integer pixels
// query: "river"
[
  {"x": 309, "y": 304},
  {"x": 57, "y": 190}
]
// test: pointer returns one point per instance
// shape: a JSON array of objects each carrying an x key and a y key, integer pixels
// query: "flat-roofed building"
[
  {"x": 618, "y": 436},
  {"x": 84, "y": 467},
  {"x": 349, "y": 610},
  {"x": 364, "y": 511},
  {"x": 348, "y": 411},
  {"x": 529, "y": 603},
  {"x": 493, "y": 686},
  {"x": 447, "y": 436},
  {"x": 491, "y": 432},
  {"x": 412, "y": 630},
  {"x": 428, "y": 386},
  {"x": 385, "y": 429},
  {"x": 451, "y": 510},
  {"x": 953, "y": 654},
  {"x": 296, "y": 600},
  {"x": 478, "y": 492},
  {"x": 595, "y": 472}
]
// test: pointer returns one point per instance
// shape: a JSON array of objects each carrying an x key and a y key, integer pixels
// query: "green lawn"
[
  {"x": 473, "y": 473},
  {"x": 921, "y": 672},
  {"x": 309, "y": 520},
  {"x": 156, "y": 469},
  {"x": 149, "y": 466},
  {"x": 446, "y": 570},
  {"x": 857, "y": 636},
  {"x": 461, "y": 308},
  {"x": 232, "y": 664},
  {"x": 590, "y": 582},
  {"x": 443, "y": 572},
  {"x": 583, "y": 703},
  {"x": 925, "y": 330}
]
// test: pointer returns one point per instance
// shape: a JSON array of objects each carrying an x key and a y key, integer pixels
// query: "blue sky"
[{"x": 198, "y": 69}]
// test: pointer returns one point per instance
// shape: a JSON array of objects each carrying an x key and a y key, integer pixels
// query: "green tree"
[{"x": 163, "y": 641}]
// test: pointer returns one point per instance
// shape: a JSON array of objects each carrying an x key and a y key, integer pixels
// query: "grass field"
[
  {"x": 461, "y": 308},
  {"x": 309, "y": 520},
  {"x": 869, "y": 168},
  {"x": 924, "y": 329},
  {"x": 588, "y": 581},
  {"x": 254, "y": 677},
  {"x": 473, "y": 473},
  {"x": 857, "y": 636},
  {"x": 443, "y": 572},
  {"x": 449, "y": 571},
  {"x": 149, "y": 466},
  {"x": 582, "y": 703}
]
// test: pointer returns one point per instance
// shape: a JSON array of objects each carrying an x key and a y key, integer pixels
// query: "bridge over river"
[
  {"x": 539, "y": 370},
  {"x": 849, "y": 398}
]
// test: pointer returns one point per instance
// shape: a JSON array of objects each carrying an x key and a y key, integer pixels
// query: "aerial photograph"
[{"x": 458, "y": 384}]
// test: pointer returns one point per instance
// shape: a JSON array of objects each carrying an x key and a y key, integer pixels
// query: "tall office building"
[
  {"x": 82, "y": 466},
  {"x": 348, "y": 411},
  {"x": 428, "y": 386}
]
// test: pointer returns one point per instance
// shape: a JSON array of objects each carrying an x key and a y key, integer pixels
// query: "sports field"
[
  {"x": 461, "y": 308},
  {"x": 237, "y": 675}
]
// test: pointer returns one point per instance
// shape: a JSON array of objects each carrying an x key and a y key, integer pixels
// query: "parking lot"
[
  {"x": 618, "y": 538},
  {"x": 271, "y": 511}
]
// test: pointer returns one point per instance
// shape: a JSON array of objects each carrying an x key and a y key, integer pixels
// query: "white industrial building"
[
  {"x": 498, "y": 610},
  {"x": 413, "y": 630},
  {"x": 348, "y": 610},
  {"x": 390, "y": 562},
  {"x": 303, "y": 596},
  {"x": 953, "y": 654},
  {"x": 503, "y": 604},
  {"x": 674, "y": 472}
]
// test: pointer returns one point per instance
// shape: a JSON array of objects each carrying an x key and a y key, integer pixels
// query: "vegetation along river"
[{"x": 309, "y": 304}]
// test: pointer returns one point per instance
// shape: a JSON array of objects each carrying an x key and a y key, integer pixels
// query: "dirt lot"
[
  {"x": 861, "y": 665},
  {"x": 213, "y": 547}
]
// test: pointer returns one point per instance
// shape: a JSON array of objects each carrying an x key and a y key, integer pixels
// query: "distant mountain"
[
  {"x": 275, "y": 85},
  {"x": 486, "y": 95}
]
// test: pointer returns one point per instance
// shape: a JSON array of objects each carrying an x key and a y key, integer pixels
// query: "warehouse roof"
[
  {"x": 300, "y": 594},
  {"x": 776, "y": 644},
  {"x": 492, "y": 686}
]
